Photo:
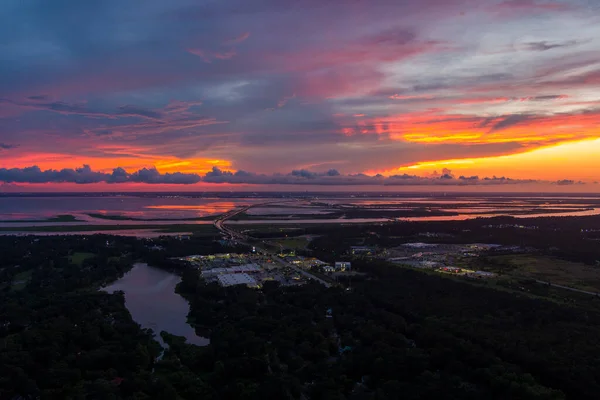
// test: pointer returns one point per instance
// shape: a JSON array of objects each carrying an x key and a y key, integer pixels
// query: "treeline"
[
  {"x": 402, "y": 334},
  {"x": 570, "y": 238},
  {"x": 61, "y": 338}
]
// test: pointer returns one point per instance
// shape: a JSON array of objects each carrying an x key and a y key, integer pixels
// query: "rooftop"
[{"x": 236, "y": 279}]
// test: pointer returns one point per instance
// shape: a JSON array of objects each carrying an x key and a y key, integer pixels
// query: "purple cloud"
[
  {"x": 85, "y": 175},
  {"x": 350, "y": 83}
]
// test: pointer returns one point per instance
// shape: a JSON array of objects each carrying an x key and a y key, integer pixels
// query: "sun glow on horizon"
[{"x": 572, "y": 160}]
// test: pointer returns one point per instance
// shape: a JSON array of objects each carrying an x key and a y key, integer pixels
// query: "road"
[
  {"x": 244, "y": 239},
  {"x": 567, "y": 288}
]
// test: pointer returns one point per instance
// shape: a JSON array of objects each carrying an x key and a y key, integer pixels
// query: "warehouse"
[{"x": 237, "y": 279}]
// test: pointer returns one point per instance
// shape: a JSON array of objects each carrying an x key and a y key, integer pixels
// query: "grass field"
[
  {"x": 79, "y": 258},
  {"x": 21, "y": 280},
  {"x": 295, "y": 243},
  {"x": 544, "y": 268},
  {"x": 58, "y": 218}
]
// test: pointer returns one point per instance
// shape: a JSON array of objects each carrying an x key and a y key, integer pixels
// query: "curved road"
[{"x": 242, "y": 238}]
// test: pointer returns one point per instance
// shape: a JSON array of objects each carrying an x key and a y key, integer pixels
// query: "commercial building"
[
  {"x": 343, "y": 266},
  {"x": 232, "y": 270},
  {"x": 237, "y": 279},
  {"x": 362, "y": 250}
]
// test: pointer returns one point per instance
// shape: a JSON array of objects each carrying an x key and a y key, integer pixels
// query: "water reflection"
[
  {"x": 35, "y": 208},
  {"x": 151, "y": 299}
]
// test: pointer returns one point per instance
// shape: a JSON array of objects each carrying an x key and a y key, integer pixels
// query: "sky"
[{"x": 229, "y": 94}]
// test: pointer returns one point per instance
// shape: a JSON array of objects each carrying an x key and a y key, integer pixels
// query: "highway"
[{"x": 242, "y": 238}]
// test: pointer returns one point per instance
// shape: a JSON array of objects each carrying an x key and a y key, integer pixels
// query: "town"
[
  {"x": 289, "y": 269},
  {"x": 253, "y": 269}
]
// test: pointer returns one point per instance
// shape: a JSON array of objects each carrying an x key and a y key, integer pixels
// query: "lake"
[{"x": 151, "y": 299}]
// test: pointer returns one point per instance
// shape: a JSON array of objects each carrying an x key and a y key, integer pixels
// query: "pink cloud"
[
  {"x": 238, "y": 39},
  {"x": 337, "y": 83},
  {"x": 413, "y": 97},
  {"x": 532, "y": 6},
  {"x": 226, "y": 54},
  {"x": 209, "y": 56},
  {"x": 342, "y": 69}
]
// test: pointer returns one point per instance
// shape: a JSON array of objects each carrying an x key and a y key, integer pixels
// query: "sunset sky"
[{"x": 197, "y": 94}]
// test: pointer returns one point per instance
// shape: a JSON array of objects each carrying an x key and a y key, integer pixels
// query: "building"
[
  {"x": 484, "y": 274},
  {"x": 232, "y": 270},
  {"x": 419, "y": 245},
  {"x": 343, "y": 266},
  {"x": 362, "y": 250},
  {"x": 237, "y": 279}
]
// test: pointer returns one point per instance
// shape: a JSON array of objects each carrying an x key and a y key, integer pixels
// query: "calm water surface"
[
  {"x": 151, "y": 299},
  {"x": 18, "y": 212},
  {"x": 31, "y": 208}
]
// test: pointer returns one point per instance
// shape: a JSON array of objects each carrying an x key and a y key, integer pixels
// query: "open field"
[
  {"x": 58, "y": 218},
  {"x": 275, "y": 229},
  {"x": 296, "y": 243},
  {"x": 21, "y": 280},
  {"x": 79, "y": 258},
  {"x": 544, "y": 268}
]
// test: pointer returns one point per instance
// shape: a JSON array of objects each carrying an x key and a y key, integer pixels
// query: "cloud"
[
  {"x": 85, "y": 175},
  {"x": 545, "y": 97},
  {"x": 42, "y": 103},
  {"x": 408, "y": 92},
  {"x": 34, "y": 174},
  {"x": 568, "y": 182},
  {"x": 152, "y": 176},
  {"x": 530, "y": 6},
  {"x": 238, "y": 39},
  {"x": 209, "y": 56},
  {"x": 281, "y": 103},
  {"x": 544, "y": 45},
  {"x": 510, "y": 121},
  {"x": 5, "y": 146},
  {"x": 225, "y": 52},
  {"x": 332, "y": 177},
  {"x": 133, "y": 111}
]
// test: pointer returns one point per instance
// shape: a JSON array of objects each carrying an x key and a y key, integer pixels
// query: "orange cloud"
[
  {"x": 528, "y": 130},
  {"x": 573, "y": 160},
  {"x": 103, "y": 164}
]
